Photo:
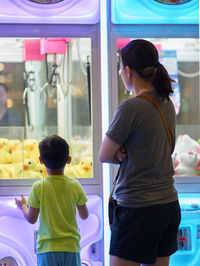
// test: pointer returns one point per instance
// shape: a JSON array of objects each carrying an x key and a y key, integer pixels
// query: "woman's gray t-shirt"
[{"x": 146, "y": 175}]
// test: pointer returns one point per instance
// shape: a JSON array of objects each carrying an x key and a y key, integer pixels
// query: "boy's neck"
[{"x": 55, "y": 172}]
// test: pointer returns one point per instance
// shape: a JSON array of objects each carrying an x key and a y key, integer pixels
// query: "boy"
[{"x": 55, "y": 197}]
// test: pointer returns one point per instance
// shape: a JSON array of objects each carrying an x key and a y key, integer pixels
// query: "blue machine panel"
[
  {"x": 189, "y": 232},
  {"x": 153, "y": 12}
]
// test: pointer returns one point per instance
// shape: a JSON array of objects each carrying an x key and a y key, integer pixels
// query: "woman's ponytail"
[{"x": 162, "y": 82}]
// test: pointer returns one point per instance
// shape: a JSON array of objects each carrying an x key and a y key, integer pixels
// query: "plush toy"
[
  {"x": 31, "y": 149},
  {"x": 5, "y": 156},
  {"x": 185, "y": 156},
  {"x": 186, "y": 144},
  {"x": 80, "y": 148},
  {"x": 4, "y": 144},
  {"x": 85, "y": 169},
  {"x": 16, "y": 150},
  {"x": 198, "y": 168},
  {"x": 30, "y": 169},
  {"x": 187, "y": 163},
  {"x": 41, "y": 169},
  {"x": 71, "y": 171},
  {"x": 18, "y": 170},
  {"x": 3, "y": 173},
  {"x": 9, "y": 169}
]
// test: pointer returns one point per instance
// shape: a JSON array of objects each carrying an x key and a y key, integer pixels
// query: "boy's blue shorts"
[{"x": 58, "y": 259}]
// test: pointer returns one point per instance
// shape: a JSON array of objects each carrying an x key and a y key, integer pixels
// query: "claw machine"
[
  {"x": 173, "y": 28},
  {"x": 49, "y": 84}
]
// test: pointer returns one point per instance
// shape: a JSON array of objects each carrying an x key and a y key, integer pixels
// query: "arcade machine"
[
  {"x": 49, "y": 61},
  {"x": 173, "y": 28}
]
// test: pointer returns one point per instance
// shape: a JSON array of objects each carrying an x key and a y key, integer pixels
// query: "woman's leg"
[
  {"x": 160, "y": 261},
  {"x": 116, "y": 261}
]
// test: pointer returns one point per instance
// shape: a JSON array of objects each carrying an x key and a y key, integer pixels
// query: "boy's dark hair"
[
  {"x": 54, "y": 152},
  {"x": 142, "y": 56}
]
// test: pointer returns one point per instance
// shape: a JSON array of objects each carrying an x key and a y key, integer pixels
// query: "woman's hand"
[{"x": 121, "y": 154}]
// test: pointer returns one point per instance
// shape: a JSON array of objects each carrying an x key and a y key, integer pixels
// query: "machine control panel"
[{"x": 184, "y": 238}]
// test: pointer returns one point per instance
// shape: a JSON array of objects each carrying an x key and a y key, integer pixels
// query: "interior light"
[
  {"x": 172, "y": 2},
  {"x": 46, "y": 1}
]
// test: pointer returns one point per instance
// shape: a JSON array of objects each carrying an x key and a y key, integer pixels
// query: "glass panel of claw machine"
[
  {"x": 46, "y": 84},
  {"x": 181, "y": 59},
  {"x": 45, "y": 88}
]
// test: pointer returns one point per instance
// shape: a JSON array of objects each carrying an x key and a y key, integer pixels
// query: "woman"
[{"x": 147, "y": 216}]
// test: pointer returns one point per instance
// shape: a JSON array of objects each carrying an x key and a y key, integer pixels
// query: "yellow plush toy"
[
  {"x": 30, "y": 169},
  {"x": 5, "y": 156},
  {"x": 31, "y": 149},
  {"x": 16, "y": 150},
  {"x": 3, "y": 173},
  {"x": 18, "y": 170},
  {"x": 84, "y": 168},
  {"x": 41, "y": 169},
  {"x": 70, "y": 171}
]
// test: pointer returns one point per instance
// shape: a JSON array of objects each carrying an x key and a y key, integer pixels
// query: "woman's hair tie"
[{"x": 147, "y": 71}]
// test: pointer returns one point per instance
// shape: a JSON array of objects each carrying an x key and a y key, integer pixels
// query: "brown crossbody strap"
[
  {"x": 114, "y": 183},
  {"x": 154, "y": 102}
]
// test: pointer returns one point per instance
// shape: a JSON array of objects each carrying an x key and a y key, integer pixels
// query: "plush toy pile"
[
  {"x": 20, "y": 159},
  {"x": 186, "y": 156}
]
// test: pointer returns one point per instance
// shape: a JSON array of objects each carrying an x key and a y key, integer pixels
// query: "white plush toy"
[
  {"x": 186, "y": 164},
  {"x": 185, "y": 156},
  {"x": 186, "y": 144}
]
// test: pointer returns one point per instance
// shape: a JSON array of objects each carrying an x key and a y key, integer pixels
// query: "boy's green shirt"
[{"x": 57, "y": 198}]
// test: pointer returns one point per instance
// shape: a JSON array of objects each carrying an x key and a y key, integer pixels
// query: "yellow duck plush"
[
  {"x": 5, "y": 156},
  {"x": 18, "y": 170},
  {"x": 41, "y": 169},
  {"x": 9, "y": 168},
  {"x": 70, "y": 171},
  {"x": 16, "y": 150},
  {"x": 30, "y": 169},
  {"x": 84, "y": 168},
  {"x": 3, "y": 173},
  {"x": 31, "y": 149}
]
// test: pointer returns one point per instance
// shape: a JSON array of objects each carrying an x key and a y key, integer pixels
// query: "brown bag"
[
  {"x": 112, "y": 203},
  {"x": 111, "y": 207}
]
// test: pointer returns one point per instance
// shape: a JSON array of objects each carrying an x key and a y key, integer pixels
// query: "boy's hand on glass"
[
  {"x": 121, "y": 154},
  {"x": 20, "y": 202}
]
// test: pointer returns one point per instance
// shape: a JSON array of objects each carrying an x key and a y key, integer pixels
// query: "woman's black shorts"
[{"x": 142, "y": 234}]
